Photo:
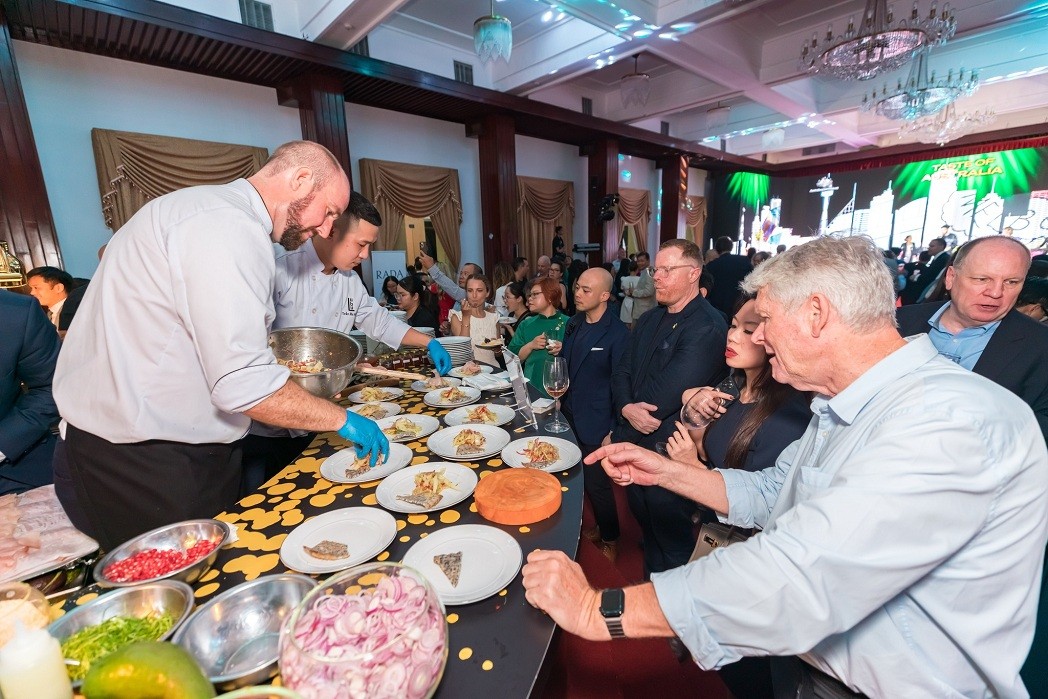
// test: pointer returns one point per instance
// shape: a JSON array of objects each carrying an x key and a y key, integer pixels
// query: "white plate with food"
[
  {"x": 408, "y": 428},
  {"x": 337, "y": 540},
  {"x": 377, "y": 411},
  {"x": 468, "y": 442},
  {"x": 548, "y": 454},
  {"x": 470, "y": 369},
  {"x": 426, "y": 488},
  {"x": 451, "y": 397},
  {"x": 376, "y": 394},
  {"x": 345, "y": 466},
  {"x": 506, "y": 320},
  {"x": 435, "y": 383},
  {"x": 482, "y": 414},
  {"x": 466, "y": 563}
]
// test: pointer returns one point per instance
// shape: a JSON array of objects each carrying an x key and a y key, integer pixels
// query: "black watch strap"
[{"x": 612, "y": 606}]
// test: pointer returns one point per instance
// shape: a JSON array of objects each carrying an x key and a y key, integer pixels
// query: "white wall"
[
  {"x": 68, "y": 93},
  {"x": 558, "y": 161},
  {"x": 414, "y": 51}
]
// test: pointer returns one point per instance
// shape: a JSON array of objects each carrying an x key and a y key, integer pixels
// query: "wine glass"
[
  {"x": 693, "y": 414},
  {"x": 555, "y": 380}
]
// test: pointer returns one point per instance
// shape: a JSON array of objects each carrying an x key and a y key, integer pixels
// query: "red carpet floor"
[{"x": 627, "y": 668}]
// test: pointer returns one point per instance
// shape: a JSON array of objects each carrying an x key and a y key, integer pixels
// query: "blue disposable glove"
[
  {"x": 439, "y": 355},
  {"x": 366, "y": 435}
]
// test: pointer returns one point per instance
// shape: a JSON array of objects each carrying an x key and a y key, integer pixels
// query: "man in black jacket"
[
  {"x": 727, "y": 270},
  {"x": 673, "y": 347}
]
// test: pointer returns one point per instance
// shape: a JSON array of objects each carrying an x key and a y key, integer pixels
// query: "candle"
[{"x": 32, "y": 667}]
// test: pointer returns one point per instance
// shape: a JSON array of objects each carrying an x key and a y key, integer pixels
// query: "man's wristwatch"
[{"x": 612, "y": 605}]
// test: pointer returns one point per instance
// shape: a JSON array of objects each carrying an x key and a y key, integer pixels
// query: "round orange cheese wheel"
[{"x": 518, "y": 496}]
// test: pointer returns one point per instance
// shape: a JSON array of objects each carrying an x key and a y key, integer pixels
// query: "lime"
[{"x": 147, "y": 670}]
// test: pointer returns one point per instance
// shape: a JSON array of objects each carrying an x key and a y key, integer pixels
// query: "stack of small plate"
[{"x": 460, "y": 348}]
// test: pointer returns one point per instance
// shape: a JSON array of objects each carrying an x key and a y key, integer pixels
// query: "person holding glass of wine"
[{"x": 535, "y": 333}]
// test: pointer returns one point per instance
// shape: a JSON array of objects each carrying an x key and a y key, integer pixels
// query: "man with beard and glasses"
[{"x": 161, "y": 377}]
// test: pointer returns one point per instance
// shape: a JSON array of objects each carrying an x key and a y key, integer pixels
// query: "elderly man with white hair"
[{"x": 903, "y": 533}]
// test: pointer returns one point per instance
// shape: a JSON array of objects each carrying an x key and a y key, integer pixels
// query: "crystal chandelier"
[
  {"x": 879, "y": 44},
  {"x": 947, "y": 125},
  {"x": 921, "y": 95},
  {"x": 635, "y": 87},
  {"x": 493, "y": 36}
]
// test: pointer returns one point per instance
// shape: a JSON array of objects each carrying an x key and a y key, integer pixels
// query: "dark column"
[
  {"x": 674, "y": 191},
  {"x": 25, "y": 212},
  {"x": 603, "y": 168},
  {"x": 498, "y": 187},
  {"x": 322, "y": 110}
]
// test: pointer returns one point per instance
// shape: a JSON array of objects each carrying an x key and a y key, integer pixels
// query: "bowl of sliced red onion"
[{"x": 376, "y": 630}]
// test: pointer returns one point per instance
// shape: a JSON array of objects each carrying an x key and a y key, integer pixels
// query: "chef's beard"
[{"x": 294, "y": 234}]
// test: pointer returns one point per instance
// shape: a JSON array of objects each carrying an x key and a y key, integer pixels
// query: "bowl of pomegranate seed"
[{"x": 181, "y": 551}]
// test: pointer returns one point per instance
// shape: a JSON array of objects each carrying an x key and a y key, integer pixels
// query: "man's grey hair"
[{"x": 850, "y": 272}]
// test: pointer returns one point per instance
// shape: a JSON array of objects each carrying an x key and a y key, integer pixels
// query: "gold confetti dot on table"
[
  {"x": 382, "y": 556},
  {"x": 564, "y": 488},
  {"x": 414, "y": 445},
  {"x": 228, "y": 517},
  {"x": 487, "y": 665},
  {"x": 280, "y": 489},
  {"x": 287, "y": 505},
  {"x": 465, "y": 654},
  {"x": 310, "y": 452},
  {"x": 423, "y": 535},
  {"x": 292, "y": 517},
  {"x": 209, "y": 576},
  {"x": 252, "y": 500},
  {"x": 416, "y": 460},
  {"x": 265, "y": 519},
  {"x": 273, "y": 501},
  {"x": 401, "y": 524},
  {"x": 502, "y": 593},
  {"x": 485, "y": 474},
  {"x": 404, "y": 539},
  {"x": 205, "y": 590},
  {"x": 322, "y": 500},
  {"x": 449, "y": 516},
  {"x": 494, "y": 462},
  {"x": 252, "y": 566},
  {"x": 308, "y": 464},
  {"x": 56, "y": 611},
  {"x": 430, "y": 522},
  {"x": 86, "y": 598},
  {"x": 473, "y": 507},
  {"x": 524, "y": 530},
  {"x": 417, "y": 519},
  {"x": 452, "y": 618},
  {"x": 338, "y": 489},
  {"x": 370, "y": 499}
]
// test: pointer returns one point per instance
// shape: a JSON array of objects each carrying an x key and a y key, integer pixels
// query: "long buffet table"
[{"x": 496, "y": 646}]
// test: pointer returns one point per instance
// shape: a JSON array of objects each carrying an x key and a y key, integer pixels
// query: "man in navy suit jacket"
[
  {"x": 727, "y": 270},
  {"x": 594, "y": 341},
  {"x": 28, "y": 351}
]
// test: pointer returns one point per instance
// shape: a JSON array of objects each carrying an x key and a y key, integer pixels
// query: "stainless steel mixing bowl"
[{"x": 338, "y": 353}]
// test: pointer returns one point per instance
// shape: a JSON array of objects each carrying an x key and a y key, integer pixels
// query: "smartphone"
[{"x": 424, "y": 247}]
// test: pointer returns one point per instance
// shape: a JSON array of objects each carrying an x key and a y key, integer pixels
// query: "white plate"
[
  {"x": 392, "y": 394},
  {"x": 433, "y": 399},
  {"x": 428, "y": 424},
  {"x": 506, "y": 320},
  {"x": 491, "y": 559},
  {"x": 503, "y": 413},
  {"x": 422, "y": 387},
  {"x": 390, "y": 408},
  {"x": 366, "y": 532},
  {"x": 495, "y": 438},
  {"x": 457, "y": 371},
  {"x": 403, "y": 482},
  {"x": 334, "y": 467},
  {"x": 569, "y": 453}
]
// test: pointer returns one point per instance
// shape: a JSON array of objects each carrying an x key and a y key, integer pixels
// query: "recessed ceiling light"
[{"x": 642, "y": 33}]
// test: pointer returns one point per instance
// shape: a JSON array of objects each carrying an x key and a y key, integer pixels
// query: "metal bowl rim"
[
  {"x": 326, "y": 372},
  {"x": 111, "y": 557},
  {"x": 177, "y": 585}
]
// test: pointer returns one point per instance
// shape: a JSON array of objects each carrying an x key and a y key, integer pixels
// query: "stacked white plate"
[{"x": 460, "y": 348}]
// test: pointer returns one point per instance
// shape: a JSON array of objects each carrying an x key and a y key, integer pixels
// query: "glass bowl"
[
  {"x": 376, "y": 630},
  {"x": 21, "y": 604}
]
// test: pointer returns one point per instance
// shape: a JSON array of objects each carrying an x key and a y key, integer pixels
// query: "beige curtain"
[
  {"x": 694, "y": 218},
  {"x": 635, "y": 210},
  {"x": 399, "y": 189},
  {"x": 135, "y": 167},
  {"x": 543, "y": 205}
]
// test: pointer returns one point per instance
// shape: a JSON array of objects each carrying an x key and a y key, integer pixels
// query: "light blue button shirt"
[
  {"x": 964, "y": 347},
  {"x": 903, "y": 539}
]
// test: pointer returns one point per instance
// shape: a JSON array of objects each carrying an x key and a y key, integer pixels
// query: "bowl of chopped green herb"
[{"x": 149, "y": 612}]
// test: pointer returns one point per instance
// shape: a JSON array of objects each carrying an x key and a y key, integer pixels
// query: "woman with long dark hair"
[
  {"x": 388, "y": 295},
  {"x": 417, "y": 302}
]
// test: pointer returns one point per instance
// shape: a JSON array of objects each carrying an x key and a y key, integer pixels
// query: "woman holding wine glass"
[{"x": 544, "y": 326}]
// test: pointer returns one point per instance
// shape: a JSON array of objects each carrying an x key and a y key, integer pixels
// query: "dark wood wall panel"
[
  {"x": 603, "y": 169},
  {"x": 322, "y": 112},
  {"x": 674, "y": 190},
  {"x": 498, "y": 188}
]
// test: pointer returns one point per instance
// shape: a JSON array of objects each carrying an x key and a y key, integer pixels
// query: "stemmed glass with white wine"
[
  {"x": 555, "y": 380},
  {"x": 695, "y": 411}
]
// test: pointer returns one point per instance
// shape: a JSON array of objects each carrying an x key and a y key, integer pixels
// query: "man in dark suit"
[
  {"x": 594, "y": 341},
  {"x": 984, "y": 282},
  {"x": 914, "y": 289},
  {"x": 676, "y": 346},
  {"x": 727, "y": 270},
  {"x": 28, "y": 351}
]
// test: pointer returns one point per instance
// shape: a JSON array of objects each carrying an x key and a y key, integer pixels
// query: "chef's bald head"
[{"x": 297, "y": 154}]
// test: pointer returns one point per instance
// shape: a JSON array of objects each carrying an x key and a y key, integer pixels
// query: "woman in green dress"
[{"x": 536, "y": 331}]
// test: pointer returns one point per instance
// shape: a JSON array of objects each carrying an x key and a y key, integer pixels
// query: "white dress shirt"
[
  {"x": 55, "y": 311},
  {"x": 903, "y": 539},
  {"x": 170, "y": 341},
  {"x": 500, "y": 300}
]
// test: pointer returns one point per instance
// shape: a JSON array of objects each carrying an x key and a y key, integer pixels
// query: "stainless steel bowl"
[
  {"x": 338, "y": 352},
  {"x": 180, "y": 535},
  {"x": 235, "y": 637},
  {"x": 164, "y": 597}
]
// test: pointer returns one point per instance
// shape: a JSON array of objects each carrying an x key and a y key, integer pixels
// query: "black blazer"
[
  {"x": 588, "y": 402},
  {"x": 72, "y": 303},
  {"x": 1016, "y": 356},
  {"x": 657, "y": 368},
  {"x": 727, "y": 270},
  {"x": 928, "y": 276},
  {"x": 28, "y": 351}
]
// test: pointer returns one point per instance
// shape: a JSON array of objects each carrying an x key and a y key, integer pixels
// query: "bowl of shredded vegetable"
[{"x": 116, "y": 619}]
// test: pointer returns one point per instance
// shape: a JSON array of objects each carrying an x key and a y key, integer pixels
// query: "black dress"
[{"x": 423, "y": 318}]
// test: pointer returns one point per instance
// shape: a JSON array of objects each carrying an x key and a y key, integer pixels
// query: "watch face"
[{"x": 612, "y": 602}]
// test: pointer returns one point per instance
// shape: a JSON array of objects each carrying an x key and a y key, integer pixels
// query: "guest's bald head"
[
  {"x": 598, "y": 278},
  {"x": 593, "y": 290}
]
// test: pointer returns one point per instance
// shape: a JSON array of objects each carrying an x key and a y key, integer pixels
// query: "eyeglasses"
[
  {"x": 652, "y": 271},
  {"x": 534, "y": 294}
]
